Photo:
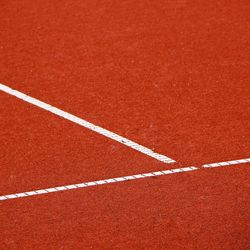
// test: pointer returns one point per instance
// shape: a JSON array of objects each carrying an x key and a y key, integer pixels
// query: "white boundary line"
[
  {"x": 226, "y": 163},
  {"x": 121, "y": 179},
  {"x": 86, "y": 124},
  {"x": 96, "y": 183}
]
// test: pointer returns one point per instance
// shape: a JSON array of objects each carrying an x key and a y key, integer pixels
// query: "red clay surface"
[
  {"x": 170, "y": 75},
  {"x": 39, "y": 149},
  {"x": 206, "y": 209},
  {"x": 174, "y": 76}
]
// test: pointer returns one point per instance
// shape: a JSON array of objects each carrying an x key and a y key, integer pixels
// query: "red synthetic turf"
[
  {"x": 199, "y": 210},
  {"x": 171, "y": 75}
]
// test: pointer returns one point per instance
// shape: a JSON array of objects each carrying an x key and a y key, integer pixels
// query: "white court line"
[
  {"x": 226, "y": 163},
  {"x": 86, "y": 124},
  {"x": 96, "y": 183},
  {"x": 121, "y": 179}
]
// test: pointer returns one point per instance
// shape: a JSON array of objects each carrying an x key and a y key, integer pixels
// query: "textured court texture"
[{"x": 171, "y": 78}]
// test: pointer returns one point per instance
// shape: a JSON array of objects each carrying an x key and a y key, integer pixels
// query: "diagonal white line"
[
  {"x": 226, "y": 163},
  {"x": 86, "y": 124},
  {"x": 96, "y": 183},
  {"x": 122, "y": 179}
]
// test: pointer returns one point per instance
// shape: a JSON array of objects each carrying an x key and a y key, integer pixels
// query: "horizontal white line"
[
  {"x": 226, "y": 163},
  {"x": 121, "y": 179},
  {"x": 86, "y": 124},
  {"x": 96, "y": 183}
]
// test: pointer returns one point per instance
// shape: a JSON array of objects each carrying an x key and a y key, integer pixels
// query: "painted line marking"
[
  {"x": 226, "y": 163},
  {"x": 96, "y": 183},
  {"x": 122, "y": 179},
  {"x": 86, "y": 124}
]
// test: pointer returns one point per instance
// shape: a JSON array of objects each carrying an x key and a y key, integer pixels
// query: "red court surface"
[
  {"x": 200, "y": 210},
  {"x": 172, "y": 76},
  {"x": 40, "y": 149}
]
